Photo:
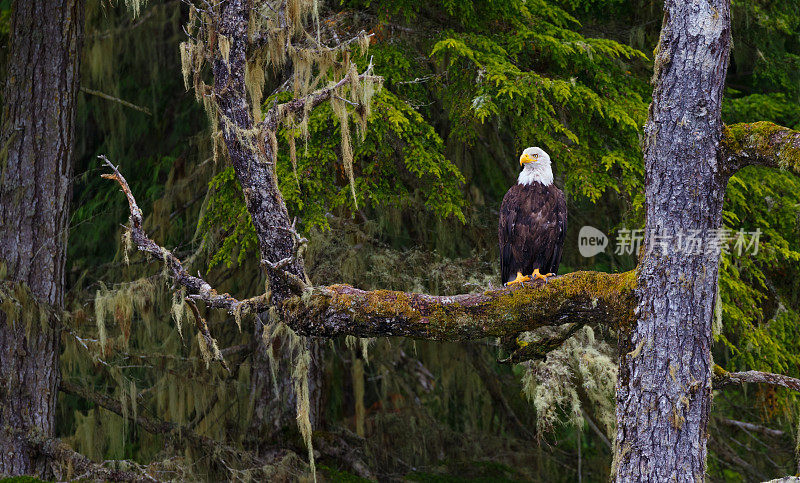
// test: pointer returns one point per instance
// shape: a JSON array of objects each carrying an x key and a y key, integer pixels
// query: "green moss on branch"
[
  {"x": 580, "y": 297},
  {"x": 760, "y": 143}
]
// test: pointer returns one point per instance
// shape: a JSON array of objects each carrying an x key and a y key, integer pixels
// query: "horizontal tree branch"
[
  {"x": 109, "y": 97},
  {"x": 83, "y": 468},
  {"x": 776, "y": 433},
  {"x": 594, "y": 298},
  {"x": 580, "y": 298},
  {"x": 724, "y": 378},
  {"x": 760, "y": 143}
]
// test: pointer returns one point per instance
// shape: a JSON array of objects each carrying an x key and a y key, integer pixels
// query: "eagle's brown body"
[{"x": 533, "y": 225}]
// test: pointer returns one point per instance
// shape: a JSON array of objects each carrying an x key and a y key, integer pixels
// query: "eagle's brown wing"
[{"x": 532, "y": 229}]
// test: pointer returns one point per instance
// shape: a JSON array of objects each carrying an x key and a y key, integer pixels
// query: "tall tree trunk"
[
  {"x": 254, "y": 162},
  {"x": 664, "y": 386},
  {"x": 38, "y": 126}
]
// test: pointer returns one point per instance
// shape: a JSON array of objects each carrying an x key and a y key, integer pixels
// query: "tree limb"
[
  {"x": 277, "y": 113},
  {"x": 586, "y": 297},
  {"x": 776, "y": 433},
  {"x": 581, "y": 298},
  {"x": 211, "y": 343},
  {"x": 540, "y": 348},
  {"x": 760, "y": 143},
  {"x": 198, "y": 288},
  {"x": 109, "y": 97},
  {"x": 724, "y": 378},
  {"x": 599, "y": 432},
  {"x": 84, "y": 468}
]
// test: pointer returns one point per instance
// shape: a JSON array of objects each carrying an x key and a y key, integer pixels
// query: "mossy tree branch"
[
  {"x": 276, "y": 114},
  {"x": 579, "y": 298},
  {"x": 760, "y": 143},
  {"x": 593, "y": 298},
  {"x": 83, "y": 468}
]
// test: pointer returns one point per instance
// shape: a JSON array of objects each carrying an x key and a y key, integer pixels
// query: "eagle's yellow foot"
[
  {"x": 520, "y": 278},
  {"x": 538, "y": 276}
]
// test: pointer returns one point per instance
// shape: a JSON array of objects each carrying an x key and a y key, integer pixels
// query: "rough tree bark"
[
  {"x": 664, "y": 385},
  {"x": 253, "y": 161},
  {"x": 36, "y": 141}
]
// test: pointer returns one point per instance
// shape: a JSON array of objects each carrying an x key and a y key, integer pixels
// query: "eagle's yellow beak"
[{"x": 525, "y": 159}]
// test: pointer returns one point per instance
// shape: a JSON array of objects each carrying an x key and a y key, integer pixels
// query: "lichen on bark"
[{"x": 588, "y": 297}]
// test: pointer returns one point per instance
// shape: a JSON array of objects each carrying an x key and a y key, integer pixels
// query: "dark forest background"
[{"x": 468, "y": 85}]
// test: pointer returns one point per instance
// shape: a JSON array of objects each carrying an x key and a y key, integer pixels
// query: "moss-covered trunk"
[{"x": 38, "y": 126}]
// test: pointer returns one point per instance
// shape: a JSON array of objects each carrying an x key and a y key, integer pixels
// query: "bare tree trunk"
[
  {"x": 253, "y": 160},
  {"x": 664, "y": 386},
  {"x": 37, "y": 136}
]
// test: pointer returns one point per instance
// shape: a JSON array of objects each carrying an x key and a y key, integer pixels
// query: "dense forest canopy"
[{"x": 410, "y": 203}]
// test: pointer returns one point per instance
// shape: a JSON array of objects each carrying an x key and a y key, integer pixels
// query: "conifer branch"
[
  {"x": 760, "y": 143},
  {"x": 340, "y": 46},
  {"x": 593, "y": 298},
  {"x": 278, "y": 113}
]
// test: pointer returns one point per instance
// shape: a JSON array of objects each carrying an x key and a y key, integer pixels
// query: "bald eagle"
[{"x": 533, "y": 222}]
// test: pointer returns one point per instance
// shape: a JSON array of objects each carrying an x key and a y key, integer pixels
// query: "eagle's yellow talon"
[
  {"x": 520, "y": 278},
  {"x": 538, "y": 276}
]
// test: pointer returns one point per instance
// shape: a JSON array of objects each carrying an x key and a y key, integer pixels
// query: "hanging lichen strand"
[
  {"x": 312, "y": 68},
  {"x": 278, "y": 35},
  {"x": 274, "y": 40},
  {"x": 135, "y": 6}
]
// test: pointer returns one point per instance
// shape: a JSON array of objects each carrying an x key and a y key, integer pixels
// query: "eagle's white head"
[{"x": 536, "y": 164}]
